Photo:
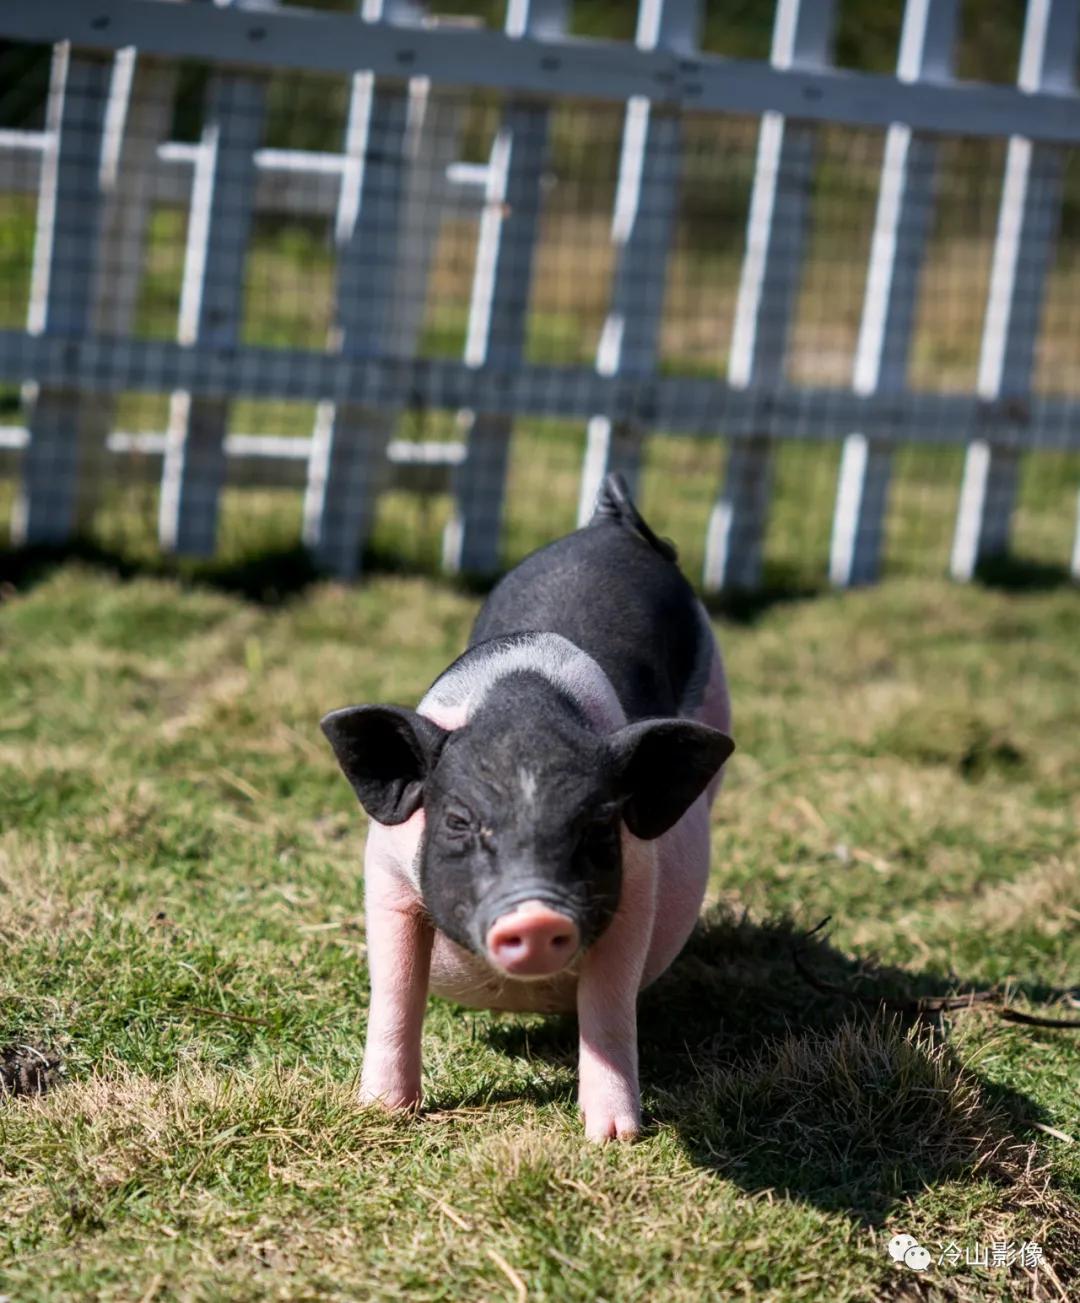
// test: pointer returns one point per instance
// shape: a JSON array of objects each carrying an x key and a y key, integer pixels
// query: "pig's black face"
[
  {"x": 525, "y": 802},
  {"x": 511, "y": 818}
]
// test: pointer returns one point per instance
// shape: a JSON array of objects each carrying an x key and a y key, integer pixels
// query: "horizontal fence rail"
[
  {"x": 305, "y": 183},
  {"x": 252, "y": 34},
  {"x": 673, "y": 405},
  {"x": 409, "y": 211}
]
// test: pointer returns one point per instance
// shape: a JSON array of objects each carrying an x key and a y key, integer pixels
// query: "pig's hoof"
[
  {"x": 606, "y": 1124},
  {"x": 394, "y": 1096}
]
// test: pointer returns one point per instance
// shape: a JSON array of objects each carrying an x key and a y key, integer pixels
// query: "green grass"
[{"x": 181, "y": 918}]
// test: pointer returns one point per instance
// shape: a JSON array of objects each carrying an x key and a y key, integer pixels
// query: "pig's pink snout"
[{"x": 532, "y": 941}]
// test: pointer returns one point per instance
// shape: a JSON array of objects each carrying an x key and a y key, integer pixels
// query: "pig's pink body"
[{"x": 664, "y": 883}]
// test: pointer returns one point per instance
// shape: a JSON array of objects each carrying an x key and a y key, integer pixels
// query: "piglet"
[{"x": 539, "y": 834}]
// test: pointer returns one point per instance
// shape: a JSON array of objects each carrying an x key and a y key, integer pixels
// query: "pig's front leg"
[
  {"x": 399, "y": 940},
  {"x": 608, "y": 987}
]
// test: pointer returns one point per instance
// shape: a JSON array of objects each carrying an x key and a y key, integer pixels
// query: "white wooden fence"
[{"x": 104, "y": 158}]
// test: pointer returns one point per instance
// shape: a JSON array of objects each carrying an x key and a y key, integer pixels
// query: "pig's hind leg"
[{"x": 399, "y": 941}]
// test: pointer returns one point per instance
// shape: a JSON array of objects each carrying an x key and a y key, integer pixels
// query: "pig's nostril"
[{"x": 560, "y": 941}]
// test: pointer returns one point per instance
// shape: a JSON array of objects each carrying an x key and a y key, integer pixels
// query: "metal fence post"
[
  {"x": 642, "y": 229},
  {"x": 211, "y": 306},
  {"x": 399, "y": 140},
  {"x": 1023, "y": 251},
  {"x": 139, "y": 118},
  {"x": 499, "y": 311},
  {"x": 768, "y": 288},
  {"x": 65, "y": 276},
  {"x": 901, "y": 224}
]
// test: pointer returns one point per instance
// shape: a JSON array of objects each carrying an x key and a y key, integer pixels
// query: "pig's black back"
[{"x": 615, "y": 590}]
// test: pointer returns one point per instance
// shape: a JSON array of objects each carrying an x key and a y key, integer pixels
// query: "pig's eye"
[{"x": 456, "y": 823}]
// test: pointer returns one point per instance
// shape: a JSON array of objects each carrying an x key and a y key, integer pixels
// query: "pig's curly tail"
[{"x": 614, "y": 503}]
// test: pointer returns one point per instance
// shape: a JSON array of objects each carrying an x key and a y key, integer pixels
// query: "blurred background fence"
[{"x": 402, "y": 286}]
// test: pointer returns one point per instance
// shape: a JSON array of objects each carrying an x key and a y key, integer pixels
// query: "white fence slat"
[
  {"x": 1028, "y": 219},
  {"x": 211, "y": 306},
  {"x": 901, "y": 225},
  {"x": 768, "y": 290},
  {"x": 62, "y": 286},
  {"x": 1074, "y": 563},
  {"x": 499, "y": 311},
  {"x": 646, "y": 200},
  {"x": 984, "y": 511}
]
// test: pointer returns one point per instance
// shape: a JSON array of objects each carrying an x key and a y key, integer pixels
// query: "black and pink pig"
[{"x": 540, "y": 822}]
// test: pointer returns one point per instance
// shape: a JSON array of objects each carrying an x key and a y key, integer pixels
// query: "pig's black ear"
[
  {"x": 663, "y": 766},
  {"x": 386, "y": 752}
]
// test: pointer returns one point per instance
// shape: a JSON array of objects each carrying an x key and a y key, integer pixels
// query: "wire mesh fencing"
[{"x": 404, "y": 321}]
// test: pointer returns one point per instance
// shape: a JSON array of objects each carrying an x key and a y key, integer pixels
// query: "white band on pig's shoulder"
[{"x": 452, "y": 698}]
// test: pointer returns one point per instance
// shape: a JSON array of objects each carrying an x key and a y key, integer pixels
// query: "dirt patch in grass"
[{"x": 29, "y": 1070}]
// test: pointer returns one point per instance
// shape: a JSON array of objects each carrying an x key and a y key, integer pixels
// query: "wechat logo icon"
[{"x": 908, "y": 1250}]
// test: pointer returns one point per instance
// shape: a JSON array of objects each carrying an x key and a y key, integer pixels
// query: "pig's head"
[{"x": 521, "y": 858}]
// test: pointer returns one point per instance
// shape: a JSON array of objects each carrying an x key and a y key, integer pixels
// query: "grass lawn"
[{"x": 181, "y": 923}]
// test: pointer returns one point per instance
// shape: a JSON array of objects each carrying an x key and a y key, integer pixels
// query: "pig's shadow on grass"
[{"x": 777, "y": 1085}]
